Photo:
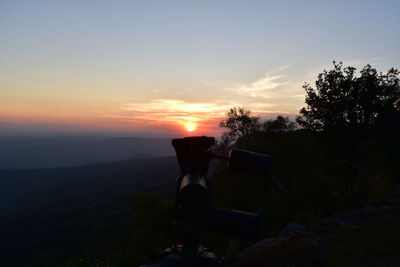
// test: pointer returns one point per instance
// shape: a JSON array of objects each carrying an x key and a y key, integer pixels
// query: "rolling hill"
[
  {"x": 28, "y": 152},
  {"x": 48, "y": 215}
]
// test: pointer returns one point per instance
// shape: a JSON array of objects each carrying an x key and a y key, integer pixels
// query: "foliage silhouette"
[
  {"x": 343, "y": 102},
  {"x": 240, "y": 122},
  {"x": 280, "y": 124}
]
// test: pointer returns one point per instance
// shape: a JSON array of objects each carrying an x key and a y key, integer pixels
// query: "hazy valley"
[
  {"x": 51, "y": 214},
  {"x": 28, "y": 152}
]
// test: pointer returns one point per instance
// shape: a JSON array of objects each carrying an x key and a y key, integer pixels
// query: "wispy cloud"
[
  {"x": 178, "y": 112},
  {"x": 274, "y": 90},
  {"x": 271, "y": 94},
  {"x": 263, "y": 87},
  {"x": 168, "y": 112},
  {"x": 172, "y": 110}
]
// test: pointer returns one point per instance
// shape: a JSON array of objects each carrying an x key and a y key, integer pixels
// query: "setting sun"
[{"x": 190, "y": 126}]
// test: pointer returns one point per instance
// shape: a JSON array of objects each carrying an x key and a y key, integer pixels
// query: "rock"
[
  {"x": 295, "y": 244},
  {"x": 299, "y": 231},
  {"x": 273, "y": 249},
  {"x": 309, "y": 245}
]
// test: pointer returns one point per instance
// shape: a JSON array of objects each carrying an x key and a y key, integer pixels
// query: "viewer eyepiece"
[{"x": 193, "y": 210}]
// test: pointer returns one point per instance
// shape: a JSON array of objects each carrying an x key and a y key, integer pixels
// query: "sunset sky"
[{"x": 164, "y": 68}]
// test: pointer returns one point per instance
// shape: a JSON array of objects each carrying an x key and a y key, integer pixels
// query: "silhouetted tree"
[
  {"x": 280, "y": 124},
  {"x": 342, "y": 101},
  {"x": 240, "y": 123}
]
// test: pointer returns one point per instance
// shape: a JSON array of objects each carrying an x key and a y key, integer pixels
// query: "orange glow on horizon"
[{"x": 165, "y": 116}]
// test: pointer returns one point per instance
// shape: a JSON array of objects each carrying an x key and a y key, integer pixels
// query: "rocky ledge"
[{"x": 368, "y": 236}]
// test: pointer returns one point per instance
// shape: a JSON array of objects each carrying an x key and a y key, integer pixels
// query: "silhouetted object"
[
  {"x": 193, "y": 211},
  {"x": 343, "y": 102},
  {"x": 250, "y": 162},
  {"x": 279, "y": 125},
  {"x": 240, "y": 122}
]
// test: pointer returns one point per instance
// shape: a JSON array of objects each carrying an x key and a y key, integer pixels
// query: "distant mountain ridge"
[
  {"x": 51, "y": 214},
  {"x": 19, "y": 152}
]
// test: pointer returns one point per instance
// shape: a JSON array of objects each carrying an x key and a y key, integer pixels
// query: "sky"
[{"x": 171, "y": 68}]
